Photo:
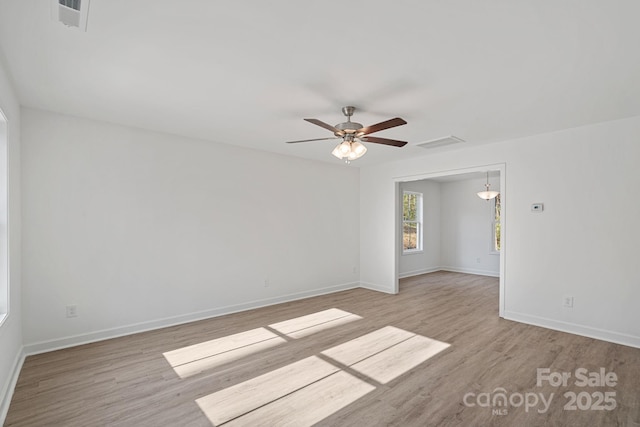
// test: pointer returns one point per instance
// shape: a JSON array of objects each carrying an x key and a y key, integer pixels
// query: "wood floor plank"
[
  {"x": 237, "y": 400},
  {"x": 396, "y": 360},
  {"x": 209, "y": 348},
  {"x": 207, "y": 363},
  {"x": 308, "y": 405},
  {"x": 334, "y": 323},
  {"x": 360, "y": 348},
  {"x": 128, "y": 381},
  {"x": 310, "y": 321}
]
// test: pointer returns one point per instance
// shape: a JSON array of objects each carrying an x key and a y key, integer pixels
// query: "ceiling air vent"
[
  {"x": 441, "y": 142},
  {"x": 72, "y": 13}
]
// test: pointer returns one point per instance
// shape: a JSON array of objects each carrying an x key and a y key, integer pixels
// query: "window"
[
  {"x": 411, "y": 221},
  {"x": 495, "y": 226},
  {"x": 4, "y": 259}
]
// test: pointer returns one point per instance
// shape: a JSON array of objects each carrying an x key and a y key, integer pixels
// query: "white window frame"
[
  {"x": 4, "y": 241},
  {"x": 419, "y": 222}
]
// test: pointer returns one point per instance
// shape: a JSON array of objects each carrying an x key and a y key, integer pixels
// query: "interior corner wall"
[
  {"x": 141, "y": 229},
  {"x": 467, "y": 235},
  {"x": 11, "y": 354},
  {"x": 428, "y": 259},
  {"x": 583, "y": 244}
]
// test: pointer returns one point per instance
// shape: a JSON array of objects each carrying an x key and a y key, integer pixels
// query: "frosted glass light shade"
[
  {"x": 359, "y": 149},
  {"x": 345, "y": 148},
  {"x": 336, "y": 152},
  {"x": 352, "y": 150},
  {"x": 488, "y": 195}
]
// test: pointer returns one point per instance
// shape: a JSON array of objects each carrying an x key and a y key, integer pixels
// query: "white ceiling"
[{"x": 248, "y": 72}]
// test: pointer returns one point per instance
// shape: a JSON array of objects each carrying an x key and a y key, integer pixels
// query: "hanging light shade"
[
  {"x": 488, "y": 194},
  {"x": 342, "y": 150},
  {"x": 349, "y": 150}
]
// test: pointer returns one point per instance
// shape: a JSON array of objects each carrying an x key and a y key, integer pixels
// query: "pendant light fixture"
[{"x": 488, "y": 194}]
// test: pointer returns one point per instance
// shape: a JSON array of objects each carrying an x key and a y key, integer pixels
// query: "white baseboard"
[
  {"x": 572, "y": 328},
  {"x": 471, "y": 271},
  {"x": 418, "y": 272},
  {"x": 105, "y": 334},
  {"x": 10, "y": 386},
  {"x": 377, "y": 288}
]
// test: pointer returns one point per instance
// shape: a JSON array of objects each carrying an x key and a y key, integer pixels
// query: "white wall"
[
  {"x": 466, "y": 222},
  {"x": 583, "y": 245},
  {"x": 142, "y": 229},
  {"x": 11, "y": 355},
  {"x": 429, "y": 258}
]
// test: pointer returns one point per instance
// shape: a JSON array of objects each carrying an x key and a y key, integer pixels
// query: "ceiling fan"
[{"x": 352, "y": 133}]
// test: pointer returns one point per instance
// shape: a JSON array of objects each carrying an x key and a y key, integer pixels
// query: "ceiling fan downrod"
[{"x": 348, "y": 111}]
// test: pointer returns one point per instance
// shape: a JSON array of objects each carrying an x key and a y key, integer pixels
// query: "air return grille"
[
  {"x": 72, "y": 13},
  {"x": 441, "y": 142}
]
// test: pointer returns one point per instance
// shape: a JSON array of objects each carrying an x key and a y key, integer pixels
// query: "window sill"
[{"x": 415, "y": 252}]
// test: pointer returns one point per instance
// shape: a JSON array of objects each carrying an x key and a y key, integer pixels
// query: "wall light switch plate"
[{"x": 537, "y": 207}]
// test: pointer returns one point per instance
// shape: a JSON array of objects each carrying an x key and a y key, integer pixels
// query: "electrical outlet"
[
  {"x": 266, "y": 283},
  {"x": 72, "y": 311},
  {"x": 354, "y": 270},
  {"x": 478, "y": 260},
  {"x": 567, "y": 302}
]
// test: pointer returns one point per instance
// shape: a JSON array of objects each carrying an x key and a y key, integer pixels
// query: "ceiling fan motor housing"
[{"x": 348, "y": 127}]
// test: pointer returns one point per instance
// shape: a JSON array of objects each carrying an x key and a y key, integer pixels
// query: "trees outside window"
[
  {"x": 411, "y": 221},
  {"x": 496, "y": 225}
]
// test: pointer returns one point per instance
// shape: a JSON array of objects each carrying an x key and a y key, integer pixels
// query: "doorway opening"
[{"x": 459, "y": 232}]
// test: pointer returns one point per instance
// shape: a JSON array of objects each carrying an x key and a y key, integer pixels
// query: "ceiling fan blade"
[
  {"x": 309, "y": 140},
  {"x": 391, "y": 123},
  {"x": 325, "y": 125},
  {"x": 384, "y": 141}
]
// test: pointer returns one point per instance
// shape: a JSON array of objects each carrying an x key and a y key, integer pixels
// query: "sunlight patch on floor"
[
  {"x": 197, "y": 358},
  {"x": 191, "y": 360},
  {"x": 237, "y": 400},
  {"x": 385, "y": 354},
  {"x": 399, "y": 359},
  {"x": 305, "y": 392},
  {"x": 357, "y": 349},
  {"x": 315, "y": 322},
  {"x": 309, "y": 405}
]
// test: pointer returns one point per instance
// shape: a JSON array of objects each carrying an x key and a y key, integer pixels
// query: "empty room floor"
[{"x": 435, "y": 354}]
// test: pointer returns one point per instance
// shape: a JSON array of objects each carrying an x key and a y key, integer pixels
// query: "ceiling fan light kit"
[
  {"x": 349, "y": 150},
  {"x": 353, "y": 134}
]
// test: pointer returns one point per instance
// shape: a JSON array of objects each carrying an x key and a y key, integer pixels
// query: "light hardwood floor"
[{"x": 324, "y": 360}]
